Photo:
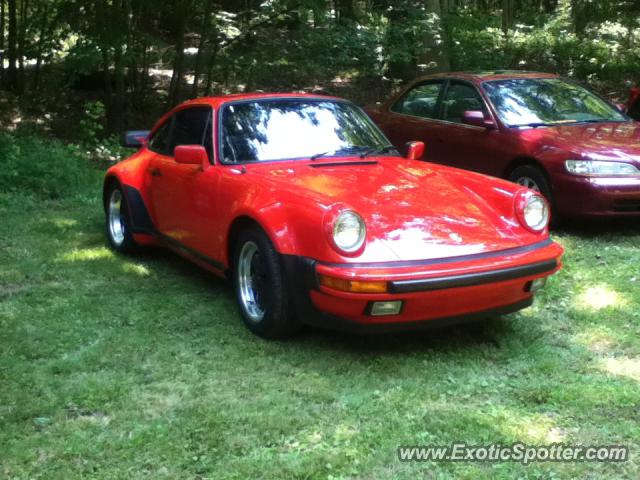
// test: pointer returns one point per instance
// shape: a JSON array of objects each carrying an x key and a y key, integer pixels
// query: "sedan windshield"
[
  {"x": 267, "y": 130},
  {"x": 547, "y": 101}
]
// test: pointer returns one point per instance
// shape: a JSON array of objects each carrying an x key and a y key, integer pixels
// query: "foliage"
[
  {"x": 47, "y": 168},
  {"x": 91, "y": 126},
  {"x": 138, "y": 57}
]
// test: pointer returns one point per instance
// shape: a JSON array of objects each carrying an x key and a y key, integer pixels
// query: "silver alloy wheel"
[
  {"x": 116, "y": 222},
  {"x": 529, "y": 183},
  {"x": 249, "y": 282}
]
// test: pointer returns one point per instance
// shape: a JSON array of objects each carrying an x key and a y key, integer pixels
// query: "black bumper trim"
[
  {"x": 438, "y": 261},
  {"x": 472, "y": 279}
]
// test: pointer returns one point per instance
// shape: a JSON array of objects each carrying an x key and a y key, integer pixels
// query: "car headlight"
[
  {"x": 600, "y": 167},
  {"x": 349, "y": 231},
  {"x": 533, "y": 211}
]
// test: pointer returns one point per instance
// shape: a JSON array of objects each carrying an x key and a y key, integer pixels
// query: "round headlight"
[
  {"x": 349, "y": 231},
  {"x": 535, "y": 212}
]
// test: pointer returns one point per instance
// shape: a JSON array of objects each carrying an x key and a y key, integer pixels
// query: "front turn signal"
[{"x": 355, "y": 286}]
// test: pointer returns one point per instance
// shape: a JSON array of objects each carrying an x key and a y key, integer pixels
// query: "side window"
[
  {"x": 192, "y": 126},
  {"x": 458, "y": 99},
  {"x": 420, "y": 101},
  {"x": 160, "y": 141}
]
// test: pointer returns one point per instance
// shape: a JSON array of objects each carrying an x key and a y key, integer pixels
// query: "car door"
[
  {"x": 467, "y": 146},
  {"x": 183, "y": 195},
  {"x": 413, "y": 116}
]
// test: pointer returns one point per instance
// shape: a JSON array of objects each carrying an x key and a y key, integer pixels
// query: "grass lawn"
[{"x": 114, "y": 367}]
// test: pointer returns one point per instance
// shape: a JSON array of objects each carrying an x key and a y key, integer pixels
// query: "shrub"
[{"x": 45, "y": 167}]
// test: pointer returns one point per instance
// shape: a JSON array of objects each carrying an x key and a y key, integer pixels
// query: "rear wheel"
[
  {"x": 118, "y": 225},
  {"x": 260, "y": 286}
]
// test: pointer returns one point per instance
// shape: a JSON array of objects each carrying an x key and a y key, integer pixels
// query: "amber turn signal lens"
[{"x": 355, "y": 286}]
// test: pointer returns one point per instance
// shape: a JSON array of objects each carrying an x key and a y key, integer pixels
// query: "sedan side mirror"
[
  {"x": 415, "y": 150},
  {"x": 476, "y": 118},
  {"x": 191, "y": 155},
  {"x": 621, "y": 106},
  {"x": 135, "y": 138}
]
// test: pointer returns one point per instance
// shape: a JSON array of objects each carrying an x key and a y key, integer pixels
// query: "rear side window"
[
  {"x": 161, "y": 140},
  {"x": 192, "y": 126},
  {"x": 420, "y": 101},
  {"x": 459, "y": 99}
]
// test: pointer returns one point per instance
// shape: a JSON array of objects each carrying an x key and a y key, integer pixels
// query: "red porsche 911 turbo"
[{"x": 302, "y": 202}]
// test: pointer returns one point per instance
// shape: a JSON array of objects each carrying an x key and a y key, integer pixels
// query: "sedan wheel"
[{"x": 529, "y": 183}]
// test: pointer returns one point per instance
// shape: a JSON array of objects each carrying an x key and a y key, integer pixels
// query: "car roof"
[
  {"x": 482, "y": 76},
  {"x": 222, "y": 99}
]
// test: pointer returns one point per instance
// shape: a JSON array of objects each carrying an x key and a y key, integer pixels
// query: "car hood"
[
  {"x": 598, "y": 141},
  {"x": 413, "y": 210}
]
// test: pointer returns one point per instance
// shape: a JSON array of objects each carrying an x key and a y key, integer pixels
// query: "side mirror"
[
  {"x": 476, "y": 118},
  {"x": 191, "y": 155},
  {"x": 621, "y": 106},
  {"x": 415, "y": 150},
  {"x": 135, "y": 138}
]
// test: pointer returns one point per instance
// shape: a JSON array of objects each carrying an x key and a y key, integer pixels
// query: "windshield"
[
  {"x": 547, "y": 101},
  {"x": 265, "y": 130}
]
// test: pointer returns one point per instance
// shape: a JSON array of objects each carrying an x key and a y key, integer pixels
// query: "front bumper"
[
  {"x": 583, "y": 196},
  {"x": 433, "y": 292}
]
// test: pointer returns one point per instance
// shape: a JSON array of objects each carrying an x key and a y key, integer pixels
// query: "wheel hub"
[{"x": 252, "y": 280}]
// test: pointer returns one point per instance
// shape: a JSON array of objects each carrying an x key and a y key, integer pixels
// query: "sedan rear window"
[{"x": 267, "y": 130}]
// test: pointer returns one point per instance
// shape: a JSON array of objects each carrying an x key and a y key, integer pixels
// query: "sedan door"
[
  {"x": 467, "y": 146},
  {"x": 413, "y": 116}
]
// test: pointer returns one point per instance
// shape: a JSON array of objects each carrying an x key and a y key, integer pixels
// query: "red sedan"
[
  {"x": 633, "y": 107},
  {"x": 303, "y": 203},
  {"x": 535, "y": 129}
]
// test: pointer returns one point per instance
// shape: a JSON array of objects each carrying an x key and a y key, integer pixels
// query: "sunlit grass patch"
[
  {"x": 599, "y": 297},
  {"x": 84, "y": 254},
  {"x": 622, "y": 367}
]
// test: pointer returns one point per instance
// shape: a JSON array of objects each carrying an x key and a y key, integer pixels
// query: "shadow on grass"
[{"x": 602, "y": 229}]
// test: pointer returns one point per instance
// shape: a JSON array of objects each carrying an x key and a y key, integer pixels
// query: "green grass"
[{"x": 115, "y": 367}]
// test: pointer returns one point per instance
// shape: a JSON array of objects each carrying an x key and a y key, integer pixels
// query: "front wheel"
[
  {"x": 118, "y": 225},
  {"x": 260, "y": 287}
]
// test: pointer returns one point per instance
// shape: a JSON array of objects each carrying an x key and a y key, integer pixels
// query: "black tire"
[
  {"x": 123, "y": 241},
  {"x": 534, "y": 174},
  {"x": 278, "y": 318}
]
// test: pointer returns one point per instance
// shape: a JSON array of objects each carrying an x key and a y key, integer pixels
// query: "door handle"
[{"x": 155, "y": 172}]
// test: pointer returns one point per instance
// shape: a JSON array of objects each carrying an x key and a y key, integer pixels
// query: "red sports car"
[
  {"x": 302, "y": 202},
  {"x": 536, "y": 129}
]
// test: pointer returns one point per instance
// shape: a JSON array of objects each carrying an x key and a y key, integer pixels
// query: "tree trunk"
[
  {"x": 204, "y": 33},
  {"x": 22, "y": 31},
  {"x": 178, "y": 63},
  {"x": 12, "y": 51},
  {"x": 210, "y": 64},
  {"x": 42, "y": 39},
  {"x": 508, "y": 8},
  {"x": 433, "y": 55},
  {"x": 108, "y": 90},
  {"x": 2, "y": 42}
]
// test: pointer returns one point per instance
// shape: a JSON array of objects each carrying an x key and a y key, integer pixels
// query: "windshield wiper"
[
  {"x": 354, "y": 148},
  {"x": 533, "y": 125},
  {"x": 379, "y": 150}
]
